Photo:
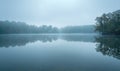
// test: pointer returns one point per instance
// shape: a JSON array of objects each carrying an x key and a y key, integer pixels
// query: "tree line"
[
  {"x": 78, "y": 29},
  {"x": 12, "y": 27},
  {"x": 7, "y": 27},
  {"x": 108, "y": 23}
]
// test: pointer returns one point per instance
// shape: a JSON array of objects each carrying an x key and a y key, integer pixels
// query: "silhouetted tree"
[{"x": 109, "y": 23}]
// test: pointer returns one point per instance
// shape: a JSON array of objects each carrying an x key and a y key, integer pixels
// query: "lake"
[{"x": 59, "y": 52}]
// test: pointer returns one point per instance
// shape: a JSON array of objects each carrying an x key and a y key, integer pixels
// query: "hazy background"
[{"x": 58, "y": 13}]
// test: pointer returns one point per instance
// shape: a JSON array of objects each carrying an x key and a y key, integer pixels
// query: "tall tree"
[{"x": 109, "y": 23}]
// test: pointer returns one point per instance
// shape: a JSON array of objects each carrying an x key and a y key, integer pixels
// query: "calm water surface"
[{"x": 63, "y": 52}]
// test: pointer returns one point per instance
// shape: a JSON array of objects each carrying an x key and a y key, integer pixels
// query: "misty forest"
[
  {"x": 7, "y": 27},
  {"x": 60, "y": 35},
  {"x": 107, "y": 24}
]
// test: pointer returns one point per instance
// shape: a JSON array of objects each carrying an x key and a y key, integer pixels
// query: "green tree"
[{"x": 109, "y": 23}]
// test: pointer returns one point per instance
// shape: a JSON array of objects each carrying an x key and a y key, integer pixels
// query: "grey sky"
[{"x": 56, "y": 12}]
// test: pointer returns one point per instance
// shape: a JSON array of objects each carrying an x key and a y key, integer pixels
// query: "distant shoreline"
[{"x": 88, "y": 34}]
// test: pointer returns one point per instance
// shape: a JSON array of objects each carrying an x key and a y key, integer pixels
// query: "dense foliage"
[
  {"x": 109, "y": 23},
  {"x": 7, "y": 27}
]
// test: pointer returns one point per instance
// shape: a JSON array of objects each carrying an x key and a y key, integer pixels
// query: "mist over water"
[
  {"x": 59, "y": 35},
  {"x": 43, "y": 52}
]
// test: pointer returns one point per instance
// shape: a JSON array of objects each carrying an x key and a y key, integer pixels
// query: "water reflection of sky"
[{"x": 54, "y": 53}]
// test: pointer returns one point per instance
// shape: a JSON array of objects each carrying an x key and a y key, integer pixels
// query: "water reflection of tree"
[
  {"x": 21, "y": 40},
  {"x": 109, "y": 45}
]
